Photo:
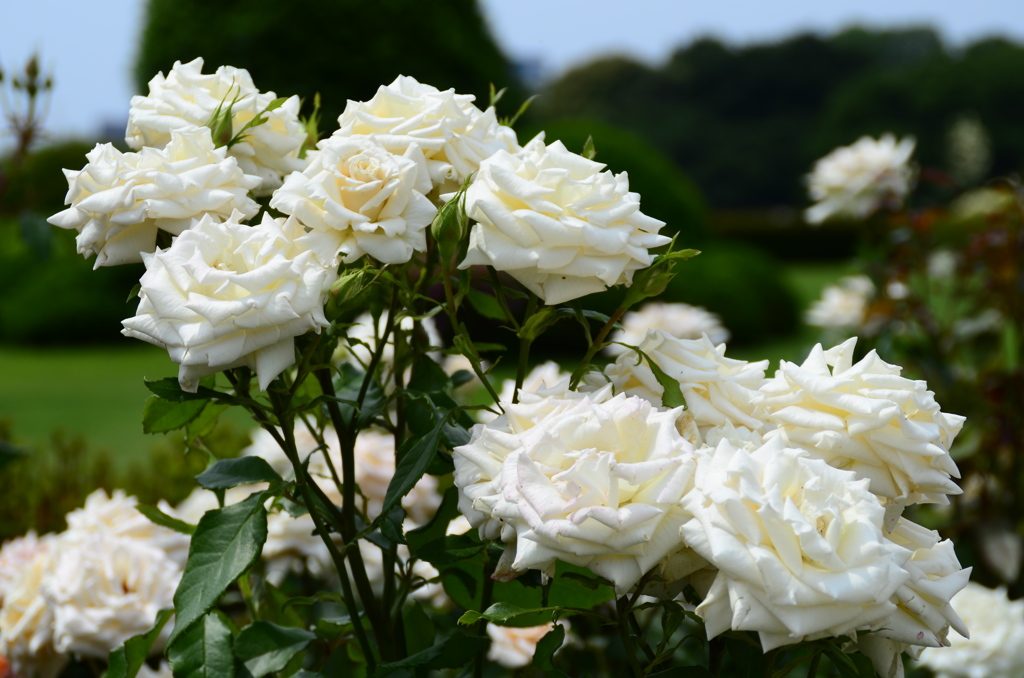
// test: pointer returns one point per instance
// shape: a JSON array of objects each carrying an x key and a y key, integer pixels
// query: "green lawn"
[{"x": 94, "y": 391}]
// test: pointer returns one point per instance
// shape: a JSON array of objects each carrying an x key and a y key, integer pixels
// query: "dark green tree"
[{"x": 344, "y": 49}]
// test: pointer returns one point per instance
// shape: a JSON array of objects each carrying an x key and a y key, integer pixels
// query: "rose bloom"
[
  {"x": 867, "y": 418},
  {"x": 187, "y": 96},
  {"x": 557, "y": 223},
  {"x": 718, "y": 390},
  {"x": 15, "y": 555},
  {"x": 453, "y": 134},
  {"x": 799, "y": 546},
  {"x": 546, "y": 379},
  {"x": 513, "y": 647},
  {"x": 855, "y": 181},
  {"x": 681, "y": 321},
  {"x": 591, "y": 479},
  {"x": 116, "y": 515},
  {"x": 995, "y": 648},
  {"x": 842, "y": 306},
  {"x": 26, "y": 623},
  {"x": 230, "y": 295},
  {"x": 359, "y": 198},
  {"x": 119, "y": 201},
  {"x": 104, "y": 589}
]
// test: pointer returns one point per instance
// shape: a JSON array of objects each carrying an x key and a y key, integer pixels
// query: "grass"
[{"x": 96, "y": 392}]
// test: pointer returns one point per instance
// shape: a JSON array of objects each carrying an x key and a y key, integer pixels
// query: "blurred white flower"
[
  {"x": 842, "y": 306},
  {"x": 104, "y": 589},
  {"x": 867, "y": 418},
  {"x": 557, "y": 223},
  {"x": 942, "y": 264},
  {"x": 230, "y": 295},
  {"x": 120, "y": 200},
  {"x": 357, "y": 198},
  {"x": 799, "y": 546},
  {"x": 453, "y": 134},
  {"x": 855, "y": 181},
  {"x": 26, "y": 623},
  {"x": 681, "y": 321},
  {"x": 995, "y": 648},
  {"x": 513, "y": 647},
  {"x": 590, "y": 479},
  {"x": 15, "y": 556},
  {"x": 187, "y": 96},
  {"x": 718, "y": 390},
  {"x": 362, "y": 337}
]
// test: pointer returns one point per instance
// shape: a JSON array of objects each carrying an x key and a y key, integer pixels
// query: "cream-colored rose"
[
  {"x": 799, "y": 546},
  {"x": 116, "y": 515},
  {"x": 104, "y": 589},
  {"x": 842, "y": 306},
  {"x": 681, "y": 321},
  {"x": 557, "y": 223},
  {"x": 855, "y": 181},
  {"x": 120, "y": 200},
  {"x": 26, "y": 622},
  {"x": 718, "y": 390},
  {"x": 590, "y": 479},
  {"x": 513, "y": 647},
  {"x": 228, "y": 295},
  {"x": 867, "y": 418},
  {"x": 15, "y": 555},
  {"x": 187, "y": 96},
  {"x": 995, "y": 648},
  {"x": 358, "y": 198},
  {"x": 454, "y": 135}
]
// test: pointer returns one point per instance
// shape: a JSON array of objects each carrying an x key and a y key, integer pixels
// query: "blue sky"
[{"x": 90, "y": 45}]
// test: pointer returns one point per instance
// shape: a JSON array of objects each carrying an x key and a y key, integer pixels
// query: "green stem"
[
  {"x": 524, "y": 349},
  {"x": 499, "y": 295},
  {"x": 470, "y": 352},
  {"x": 595, "y": 347},
  {"x": 812, "y": 670},
  {"x": 622, "y": 614}
]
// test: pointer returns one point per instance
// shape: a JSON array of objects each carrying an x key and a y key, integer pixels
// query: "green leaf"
[
  {"x": 134, "y": 293},
  {"x": 673, "y": 395},
  {"x": 683, "y": 672},
  {"x": 228, "y": 473},
  {"x": 501, "y": 613},
  {"x": 169, "y": 389},
  {"x": 158, "y": 517},
  {"x": 225, "y": 545},
  {"x": 485, "y": 304},
  {"x": 206, "y": 421},
  {"x": 453, "y": 652},
  {"x": 265, "y": 647},
  {"x": 161, "y": 416},
  {"x": 546, "y": 648},
  {"x": 589, "y": 151},
  {"x": 438, "y": 525},
  {"x": 539, "y": 322},
  {"x": 126, "y": 660},
  {"x": 419, "y": 628},
  {"x": 204, "y": 650},
  {"x": 451, "y": 549},
  {"x": 412, "y": 464}
]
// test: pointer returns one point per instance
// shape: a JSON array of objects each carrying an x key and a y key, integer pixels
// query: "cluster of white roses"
[
  {"x": 778, "y": 500},
  {"x": 86, "y": 590},
  {"x": 225, "y": 294},
  {"x": 854, "y": 182}
]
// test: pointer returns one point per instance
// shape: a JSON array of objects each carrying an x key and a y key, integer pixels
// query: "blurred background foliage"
[{"x": 716, "y": 139}]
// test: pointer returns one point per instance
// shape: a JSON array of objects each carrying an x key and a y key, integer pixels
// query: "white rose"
[
  {"x": 16, "y": 555},
  {"x": 855, "y": 181},
  {"x": 120, "y": 200},
  {"x": 454, "y": 135},
  {"x": 995, "y": 648},
  {"x": 681, "y": 321},
  {"x": 116, "y": 515},
  {"x": 228, "y": 295},
  {"x": 717, "y": 390},
  {"x": 513, "y": 647},
  {"x": 546, "y": 379},
  {"x": 589, "y": 479},
  {"x": 557, "y": 223},
  {"x": 105, "y": 589},
  {"x": 842, "y": 306},
  {"x": 359, "y": 198},
  {"x": 867, "y": 418},
  {"x": 799, "y": 546},
  {"x": 187, "y": 96},
  {"x": 26, "y": 623}
]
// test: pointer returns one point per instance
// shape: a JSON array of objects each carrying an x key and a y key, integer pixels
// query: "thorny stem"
[{"x": 595, "y": 347}]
